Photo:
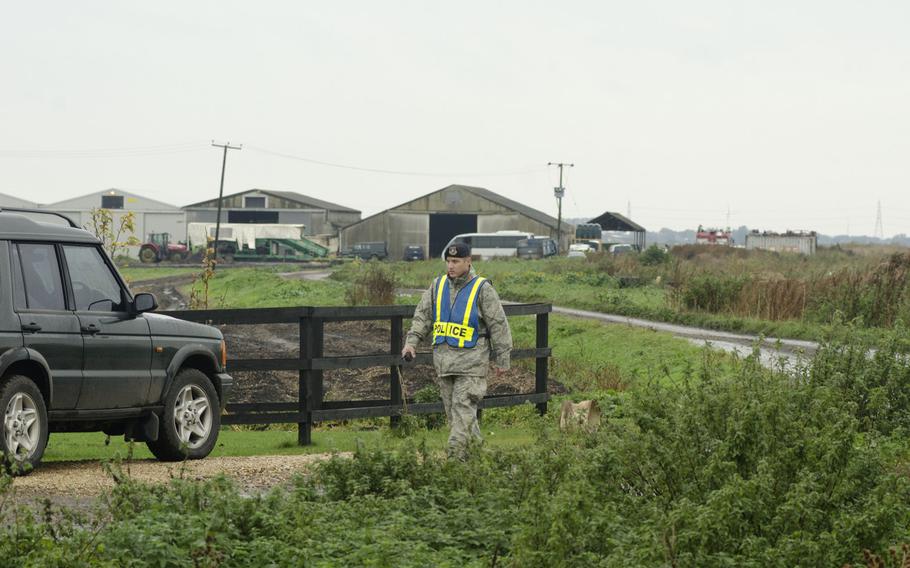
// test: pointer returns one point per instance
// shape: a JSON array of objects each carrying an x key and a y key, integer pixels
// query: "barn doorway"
[
  {"x": 444, "y": 226},
  {"x": 252, "y": 216}
]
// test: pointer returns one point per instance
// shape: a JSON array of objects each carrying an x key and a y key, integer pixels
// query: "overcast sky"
[{"x": 792, "y": 114}]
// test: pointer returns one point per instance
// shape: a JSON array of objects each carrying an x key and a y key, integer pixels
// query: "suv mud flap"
[
  {"x": 227, "y": 384},
  {"x": 144, "y": 429}
]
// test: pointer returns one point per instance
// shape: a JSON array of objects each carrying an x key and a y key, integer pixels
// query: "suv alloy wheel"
[
  {"x": 192, "y": 417},
  {"x": 24, "y": 427}
]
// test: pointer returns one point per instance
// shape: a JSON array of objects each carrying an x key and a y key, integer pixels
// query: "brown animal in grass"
[{"x": 584, "y": 415}]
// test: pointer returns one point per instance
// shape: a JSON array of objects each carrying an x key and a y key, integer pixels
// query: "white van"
[{"x": 485, "y": 246}]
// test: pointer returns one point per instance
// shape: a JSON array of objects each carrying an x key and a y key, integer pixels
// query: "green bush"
[
  {"x": 710, "y": 293},
  {"x": 653, "y": 256}
]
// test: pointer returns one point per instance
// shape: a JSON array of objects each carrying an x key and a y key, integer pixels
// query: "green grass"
[
  {"x": 136, "y": 274},
  {"x": 91, "y": 445},
  {"x": 265, "y": 288},
  {"x": 590, "y": 357}
]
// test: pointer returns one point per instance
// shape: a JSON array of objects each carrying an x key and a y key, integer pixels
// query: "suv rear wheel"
[
  {"x": 192, "y": 418},
  {"x": 24, "y": 428}
]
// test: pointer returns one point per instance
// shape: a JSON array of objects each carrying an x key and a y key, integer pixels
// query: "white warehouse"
[{"x": 151, "y": 216}]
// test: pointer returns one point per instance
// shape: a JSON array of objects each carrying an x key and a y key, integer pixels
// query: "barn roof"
[
  {"x": 610, "y": 221},
  {"x": 289, "y": 195},
  {"x": 485, "y": 193}
]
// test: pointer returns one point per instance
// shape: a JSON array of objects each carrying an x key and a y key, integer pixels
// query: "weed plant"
[{"x": 373, "y": 284}]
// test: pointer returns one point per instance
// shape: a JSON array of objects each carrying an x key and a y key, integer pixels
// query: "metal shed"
[
  {"x": 801, "y": 242},
  {"x": 271, "y": 206},
  {"x": 620, "y": 229},
  {"x": 433, "y": 219}
]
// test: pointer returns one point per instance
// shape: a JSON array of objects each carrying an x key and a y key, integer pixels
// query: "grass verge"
[{"x": 274, "y": 441}]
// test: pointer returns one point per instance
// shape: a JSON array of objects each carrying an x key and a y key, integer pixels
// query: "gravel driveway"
[{"x": 79, "y": 483}]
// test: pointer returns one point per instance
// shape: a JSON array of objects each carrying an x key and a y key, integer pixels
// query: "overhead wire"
[
  {"x": 392, "y": 172},
  {"x": 123, "y": 152}
]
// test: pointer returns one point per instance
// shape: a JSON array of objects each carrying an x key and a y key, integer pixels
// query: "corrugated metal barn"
[
  {"x": 12, "y": 201},
  {"x": 792, "y": 241},
  {"x": 270, "y": 206},
  {"x": 433, "y": 219}
]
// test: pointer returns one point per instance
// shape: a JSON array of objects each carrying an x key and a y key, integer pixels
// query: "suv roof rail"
[{"x": 41, "y": 212}]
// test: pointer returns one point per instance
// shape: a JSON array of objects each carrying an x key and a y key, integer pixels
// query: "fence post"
[
  {"x": 309, "y": 383},
  {"x": 397, "y": 345},
  {"x": 541, "y": 364},
  {"x": 304, "y": 436}
]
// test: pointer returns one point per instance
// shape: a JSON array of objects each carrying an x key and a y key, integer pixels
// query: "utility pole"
[
  {"x": 559, "y": 192},
  {"x": 226, "y": 147}
]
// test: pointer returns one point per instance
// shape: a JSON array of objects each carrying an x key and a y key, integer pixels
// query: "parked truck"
[{"x": 255, "y": 241}]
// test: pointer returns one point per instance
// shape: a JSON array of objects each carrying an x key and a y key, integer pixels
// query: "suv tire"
[
  {"x": 23, "y": 424},
  {"x": 191, "y": 420}
]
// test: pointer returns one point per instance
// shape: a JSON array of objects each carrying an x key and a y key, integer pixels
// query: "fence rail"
[{"x": 311, "y": 407}]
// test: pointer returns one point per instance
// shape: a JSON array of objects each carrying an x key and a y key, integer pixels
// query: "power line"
[
  {"x": 125, "y": 152},
  {"x": 392, "y": 172}
]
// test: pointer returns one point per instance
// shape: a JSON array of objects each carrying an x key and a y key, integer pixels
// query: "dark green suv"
[{"x": 79, "y": 353}]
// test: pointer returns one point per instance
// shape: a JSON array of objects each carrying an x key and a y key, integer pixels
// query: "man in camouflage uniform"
[{"x": 469, "y": 330}]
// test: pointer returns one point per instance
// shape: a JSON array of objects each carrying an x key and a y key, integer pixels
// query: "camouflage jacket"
[{"x": 458, "y": 361}]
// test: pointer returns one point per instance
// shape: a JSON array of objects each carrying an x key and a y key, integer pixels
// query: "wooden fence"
[{"x": 311, "y": 407}]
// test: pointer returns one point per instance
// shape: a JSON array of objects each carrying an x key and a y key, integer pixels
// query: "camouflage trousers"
[{"x": 460, "y": 396}]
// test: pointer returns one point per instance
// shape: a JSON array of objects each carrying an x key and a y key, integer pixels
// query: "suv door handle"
[
  {"x": 90, "y": 328},
  {"x": 31, "y": 327}
]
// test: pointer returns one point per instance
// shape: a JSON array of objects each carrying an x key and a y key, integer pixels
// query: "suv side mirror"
[{"x": 145, "y": 302}]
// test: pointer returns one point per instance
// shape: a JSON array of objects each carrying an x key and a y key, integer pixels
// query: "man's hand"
[
  {"x": 408, "y": 353},
  {"x": 498, "y": 372}
]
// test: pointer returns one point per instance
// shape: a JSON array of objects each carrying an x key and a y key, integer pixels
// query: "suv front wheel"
[
  {"x": 192, "y": 418},
  {"x": 24, "y": 428}
]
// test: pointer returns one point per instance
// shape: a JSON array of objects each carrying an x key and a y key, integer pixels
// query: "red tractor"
[{"x": 159, "y": 247}]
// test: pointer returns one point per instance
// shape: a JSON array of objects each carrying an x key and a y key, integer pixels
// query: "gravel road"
[{"x": 771, "y": 352}]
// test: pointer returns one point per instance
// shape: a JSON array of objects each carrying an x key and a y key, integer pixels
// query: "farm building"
[
  {"x": 270, "y": 206},
  {"x": 617, "y": 228},
  {"x": 12, "y": 201},
  {"x": 433, "y": 219},
  {"x": 802, "y": 242},
  {"x": 151, "y": 216}
]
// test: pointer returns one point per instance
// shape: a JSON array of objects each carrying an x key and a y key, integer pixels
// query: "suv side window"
[
  {"x": 92, "y": 280},
  {"x": 41, "y": 272}
]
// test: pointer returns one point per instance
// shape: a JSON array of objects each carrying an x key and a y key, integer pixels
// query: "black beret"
[{"x": 458, "y": 250}]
